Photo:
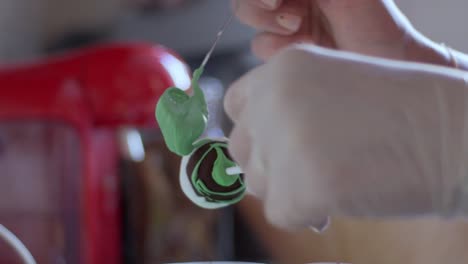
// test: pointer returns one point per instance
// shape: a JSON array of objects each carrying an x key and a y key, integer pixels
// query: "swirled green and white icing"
[{"x": 203, "y": 174}]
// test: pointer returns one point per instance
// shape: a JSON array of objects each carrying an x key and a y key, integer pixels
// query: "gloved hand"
[
  {"x": 324, "y": 133},
  {"x": 370, "y": 27}
]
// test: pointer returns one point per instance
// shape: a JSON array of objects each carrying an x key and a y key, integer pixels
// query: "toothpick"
[{"x": 218, "y": 37}]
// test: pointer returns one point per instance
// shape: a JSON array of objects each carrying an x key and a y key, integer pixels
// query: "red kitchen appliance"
[{"x": 59, "y": 123}]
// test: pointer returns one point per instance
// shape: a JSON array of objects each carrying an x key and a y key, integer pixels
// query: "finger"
[
  {"x": 256, "y": 174},
  {"x": 285, "y": 212},
  {"x": 239, "y": 145},
  {"x": 315, "y": 31},
  {"x": 266, "y": 44},
  {"x": 292, "y": 206},
  {"x": 240, "y": 150},
  {"x": 279, "y": 210},
  {"x": 285, "y": 20},
  {"x": 237, "y": 94},
  {"x": 235, "y": 100}
]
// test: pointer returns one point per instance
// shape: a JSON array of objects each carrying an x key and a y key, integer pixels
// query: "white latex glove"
[{"x": 324, "y": 133}]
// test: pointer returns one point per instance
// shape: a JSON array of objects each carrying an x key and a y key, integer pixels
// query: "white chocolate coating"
[{"x": 187, "y": 187}]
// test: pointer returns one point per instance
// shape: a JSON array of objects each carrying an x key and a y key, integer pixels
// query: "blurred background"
[{"x": 84, "y": 174}]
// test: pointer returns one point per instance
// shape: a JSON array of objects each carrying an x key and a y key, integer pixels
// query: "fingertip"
[
  {"x": 241, "y": 151},
  {"x": 291, "y": 210},
  {"x": 276, "y": 216},
  {"x": 279, "y": 209},
  {"x": 234, "y": 100},
  {"x": 270, "y": 4},
  {"x": 290, "y": 22},
  {"x": 250, "y": 190},
  {"x": 254, "y": 185},
  {"x": 239, "y": 145}
]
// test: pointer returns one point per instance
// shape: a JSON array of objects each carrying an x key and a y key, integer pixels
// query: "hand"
[
  {"x": 371, "y": 27},
  {"x": 383, "y": 140}
]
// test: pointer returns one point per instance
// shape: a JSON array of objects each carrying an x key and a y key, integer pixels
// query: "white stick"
[
  {"x": 218, "y": 37},
  {"x": 15, "y": 243},
  {"x": 234, "y": 170}
]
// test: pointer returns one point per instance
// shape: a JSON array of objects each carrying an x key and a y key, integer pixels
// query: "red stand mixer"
[{"x": 59, "y": 118}]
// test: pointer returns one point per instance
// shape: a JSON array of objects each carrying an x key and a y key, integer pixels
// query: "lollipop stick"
[{"x": 234, "y": 170}]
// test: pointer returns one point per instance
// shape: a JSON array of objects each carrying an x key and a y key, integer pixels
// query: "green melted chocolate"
[{"x": 205, "y": 179}]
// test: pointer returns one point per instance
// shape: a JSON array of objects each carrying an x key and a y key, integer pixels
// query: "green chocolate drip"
[{"x": 182, "y": 118}]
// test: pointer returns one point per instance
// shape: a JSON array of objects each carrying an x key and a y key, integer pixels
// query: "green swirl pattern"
[{"x": 220, "y": 177}]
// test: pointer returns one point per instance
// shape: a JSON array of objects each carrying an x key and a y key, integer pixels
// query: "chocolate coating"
[{"x": 205, "y": 174}]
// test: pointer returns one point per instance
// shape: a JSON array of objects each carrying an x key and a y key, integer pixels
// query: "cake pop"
[{"x": 208, "y": 175}]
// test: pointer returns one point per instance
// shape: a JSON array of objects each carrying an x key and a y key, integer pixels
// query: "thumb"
[{"x": 357, "y": 23}]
